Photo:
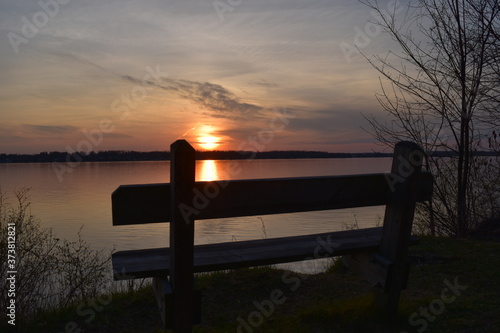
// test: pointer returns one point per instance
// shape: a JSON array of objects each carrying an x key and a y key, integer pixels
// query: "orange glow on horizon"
[{"x": 207, "y": 140}]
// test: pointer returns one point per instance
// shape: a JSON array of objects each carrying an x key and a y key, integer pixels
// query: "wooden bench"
[{"x": 379, "y": 254}]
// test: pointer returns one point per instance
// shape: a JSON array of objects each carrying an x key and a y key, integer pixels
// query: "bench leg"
[
  {"x": 388, "y": 301},
  {"x": 373, "y": 268},
  {"x": 165, "y": 300},
  {"x": 387, "y": 279}
]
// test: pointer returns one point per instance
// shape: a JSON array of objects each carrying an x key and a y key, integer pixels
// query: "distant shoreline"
[
  {"x": 127, "y": 156},
  {"x": 132, "y": 156}
]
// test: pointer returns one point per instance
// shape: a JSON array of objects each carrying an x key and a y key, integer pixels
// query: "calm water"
[{"x": 83, "y": 198}]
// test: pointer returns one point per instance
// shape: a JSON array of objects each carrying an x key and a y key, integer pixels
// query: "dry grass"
[{"x": 335, "y": 301}]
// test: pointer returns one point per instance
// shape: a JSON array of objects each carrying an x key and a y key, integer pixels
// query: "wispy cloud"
[
  {"x": 215, "y": 99},
  {"x": 118, "y": 136},
  {"x": 212, "y": 97},
  {"x": 9, "y": 134},
  {"x": 218, "y": 100},
  {"x": 264, "y": 84},
  {"x": 52, "y": 129}
]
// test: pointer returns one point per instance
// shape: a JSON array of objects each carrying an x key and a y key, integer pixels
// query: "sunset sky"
[{"x": 229, "y": 74}]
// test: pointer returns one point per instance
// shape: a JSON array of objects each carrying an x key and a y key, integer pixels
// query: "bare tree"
[{"x": 441, "y": 89}]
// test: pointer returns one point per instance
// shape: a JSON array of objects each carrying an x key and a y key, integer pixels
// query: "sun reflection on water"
[{"x": 207, "y": 170}]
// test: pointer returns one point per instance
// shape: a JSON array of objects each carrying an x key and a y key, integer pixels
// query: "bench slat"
[
  {"x": 211, "y": 257},
  {"x": 138, "y": 204}
]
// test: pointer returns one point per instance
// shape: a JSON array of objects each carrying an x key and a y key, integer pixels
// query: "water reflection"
[
  {"x": 84, "y": 198},
  {"x": 207, "y": 170}
]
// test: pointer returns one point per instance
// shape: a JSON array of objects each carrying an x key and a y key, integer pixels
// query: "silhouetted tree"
[{"x": 443, "y": 92}]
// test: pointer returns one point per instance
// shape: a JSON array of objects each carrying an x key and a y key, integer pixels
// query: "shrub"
[{"x": 51, "y": 272}]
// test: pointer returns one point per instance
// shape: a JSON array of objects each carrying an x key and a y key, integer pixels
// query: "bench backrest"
[{"x": 151, "y": 203}]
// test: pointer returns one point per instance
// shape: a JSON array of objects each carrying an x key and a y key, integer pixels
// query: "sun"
[{"x": 208, "y": 142}]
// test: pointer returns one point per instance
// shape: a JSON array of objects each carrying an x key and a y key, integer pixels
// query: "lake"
[{"x": 83, "y": 198}]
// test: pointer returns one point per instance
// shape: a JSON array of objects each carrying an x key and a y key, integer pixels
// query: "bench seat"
[{"x": 210, "y": 257}]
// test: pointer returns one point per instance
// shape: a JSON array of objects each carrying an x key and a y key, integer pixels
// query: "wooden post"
[
  {"x": 182, "y": 179},
  {"x": 398, "y": 220},
  {"x": 164, "y": 298}
]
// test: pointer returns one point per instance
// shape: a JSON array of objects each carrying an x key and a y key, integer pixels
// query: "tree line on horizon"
[{"x": 126, "y": 155}]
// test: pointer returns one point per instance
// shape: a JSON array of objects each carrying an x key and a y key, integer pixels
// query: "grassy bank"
[{"x": 453, "y": 287}]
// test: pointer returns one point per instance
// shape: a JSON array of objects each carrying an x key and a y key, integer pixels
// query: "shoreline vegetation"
[
  {"x": 451, "y": 289},
  {"x": 125, "y": 155}
]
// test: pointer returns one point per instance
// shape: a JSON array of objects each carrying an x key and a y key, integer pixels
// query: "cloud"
[
  {"x": 219, "y": 101},
  {"x": 52, "y": 129},
  {"x": 212, "y": 97},
  {"x": 333, "y": 142},
  {"x": 9, "y": 134},
  {"x": 264, "y": 83},
  {"x": 328, "y": 120},
  {"x": 118, "y": 136}
]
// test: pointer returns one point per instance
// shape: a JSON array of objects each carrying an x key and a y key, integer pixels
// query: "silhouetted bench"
[{"x": 379, "y": 254}]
